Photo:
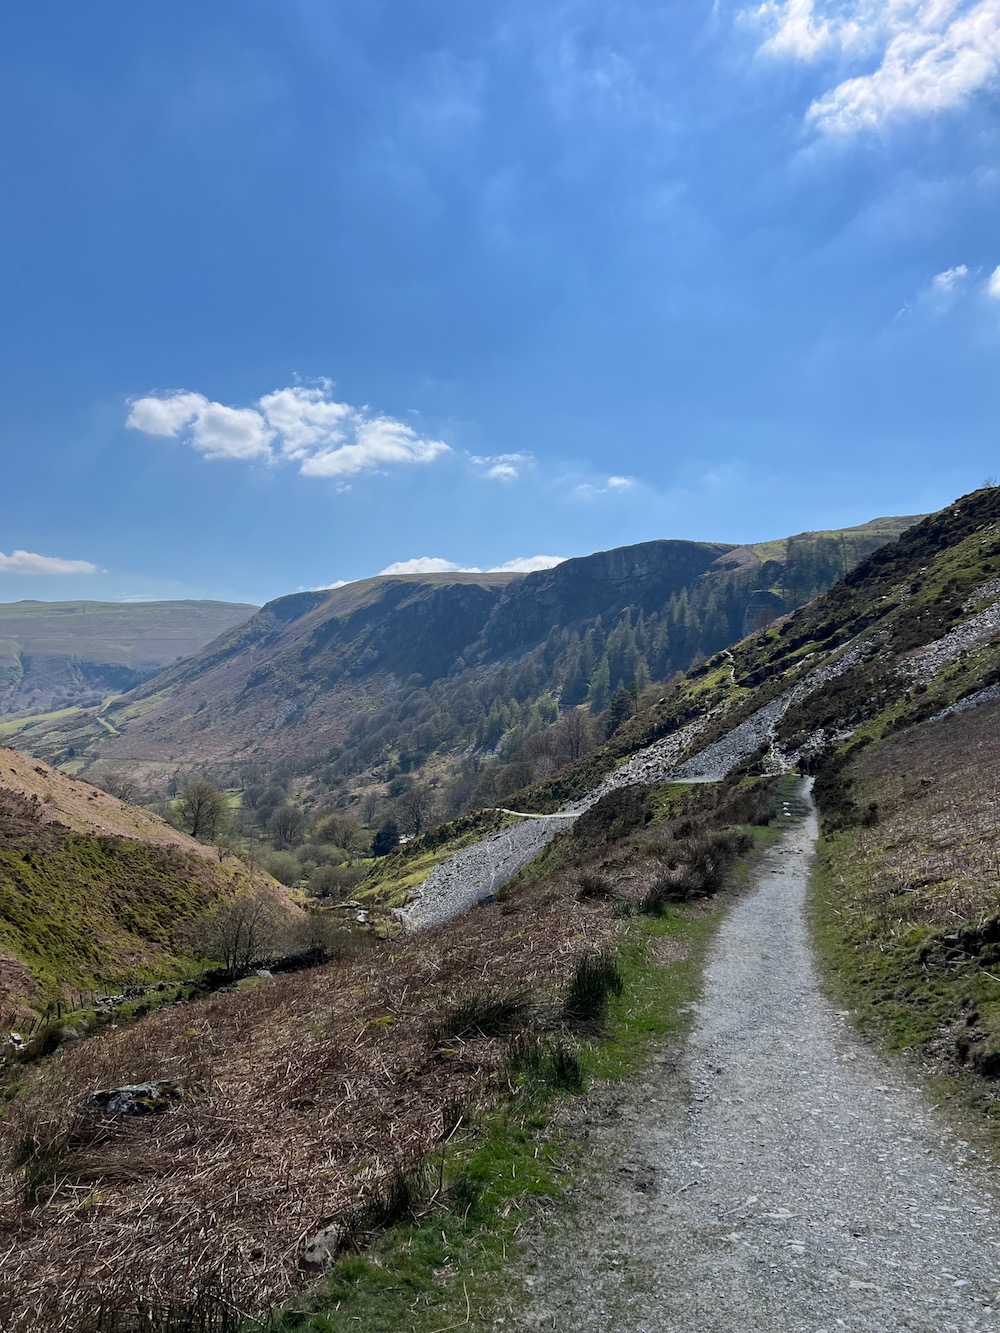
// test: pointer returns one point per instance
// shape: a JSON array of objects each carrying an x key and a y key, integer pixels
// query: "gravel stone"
[
  {"x": 798, "y": 1183},
  {"x": 973, "y": 633},
  {"x": 474, "y": 873},
  {"x": 718, "y": 760},
  {"x": 985, "y": 696}
]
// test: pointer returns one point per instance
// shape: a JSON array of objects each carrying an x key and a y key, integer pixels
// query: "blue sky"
[{"x": 297, "y": 291}]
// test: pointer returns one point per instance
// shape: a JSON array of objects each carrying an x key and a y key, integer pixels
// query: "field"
[{"x": 134, "y": 634}]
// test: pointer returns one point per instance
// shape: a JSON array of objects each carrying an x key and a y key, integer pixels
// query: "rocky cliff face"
[{"x": 644, "y": 576}]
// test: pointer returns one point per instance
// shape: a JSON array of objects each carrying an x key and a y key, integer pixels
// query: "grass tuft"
[
  {"x": 482, "y": 1014},
  {"x": 596, "y": 979}
]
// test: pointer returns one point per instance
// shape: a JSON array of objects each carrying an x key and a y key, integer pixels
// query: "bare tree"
[
  {"x": 415, "y": 809},
  {"x": 119, "y": 784},
  {"x": 287, "y": 826},
  {"x": 202, "y": 810},
  {"x": 575, "y": 733},
  {"x": 241, "y": 933}
]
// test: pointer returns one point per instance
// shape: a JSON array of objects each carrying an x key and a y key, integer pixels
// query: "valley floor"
[{"x": 789, "y": 1180}]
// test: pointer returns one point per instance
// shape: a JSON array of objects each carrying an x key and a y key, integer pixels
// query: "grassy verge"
[
  {"x": 905, "y": 911},
  {"x": 446, "y": 1265},
  {"x": 912, "y": 1013}
]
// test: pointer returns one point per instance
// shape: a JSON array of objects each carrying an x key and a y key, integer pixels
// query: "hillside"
[
  {"x": 417, "y": 673},
  {"x": 93, "y": 891},
  {"x": 55, "y": 655},
  {"x": 314, "y": 1100}
]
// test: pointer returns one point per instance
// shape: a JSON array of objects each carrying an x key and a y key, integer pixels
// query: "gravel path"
[{"x": 795, "y": 1185}]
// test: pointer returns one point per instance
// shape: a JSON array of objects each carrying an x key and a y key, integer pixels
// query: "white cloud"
[
  {"x": 921, "y": 56},
  {"x": 306, "y": 419},
  {"x": 378, "y": 442},
  {"x": 945, "y": 290},
  {"x": 431, "y": 564},
  {"x": 796, "y": 32},
  {"x": 427, "y": 564},
  {"x": 27, "y": 562},
  {"x": 945, "y": 283},
  {"x": 502, "y": 467},
  {"x": 613, "y": 486},
  {"x": 213, "y": 429},
  {"x": 527, "y": 564},
  {"x": 166, "y": 415},
  {"x": 300, "y": 424}
]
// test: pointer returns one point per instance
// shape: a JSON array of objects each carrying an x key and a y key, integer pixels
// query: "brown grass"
[
  {"x": 304, "y": 1095},
  {"x": 88, "y": 809}
]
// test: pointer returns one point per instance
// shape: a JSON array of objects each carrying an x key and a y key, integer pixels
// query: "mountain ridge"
[{"x": 414, "y": 660}]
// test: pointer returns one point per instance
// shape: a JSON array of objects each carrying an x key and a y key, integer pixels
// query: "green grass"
[
  {"x": 894, "y": 998},
  {"x": 97, "y": 911},
  {"x": 18, "y": 724}
]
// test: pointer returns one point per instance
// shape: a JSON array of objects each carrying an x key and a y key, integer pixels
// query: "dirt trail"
[{"x": 795, "y": 1184}]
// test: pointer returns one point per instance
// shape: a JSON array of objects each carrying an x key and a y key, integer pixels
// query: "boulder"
[
  {"x": 323, "y": 1247},
  {"x": 134, "y": 1099}
]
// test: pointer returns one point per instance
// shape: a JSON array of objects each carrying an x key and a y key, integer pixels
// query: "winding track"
[{"x": 798, "y": 1186}]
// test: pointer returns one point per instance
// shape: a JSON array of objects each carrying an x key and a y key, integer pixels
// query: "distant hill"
[
  {"x": 55, "y": 655},
  {"x": 416, "y": 673}
]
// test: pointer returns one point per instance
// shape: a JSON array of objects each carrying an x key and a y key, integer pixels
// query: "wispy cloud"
[
  {"x": 613, "y": 486},
  {"x": 302, "y": 424},
  {"x": 432, "y": 564},
  {"x": 947, "y": 289},
  {"x": 917, "y": 57},
  {"x": 27, "y": 562},
  {"x": 502, "y": 467}
]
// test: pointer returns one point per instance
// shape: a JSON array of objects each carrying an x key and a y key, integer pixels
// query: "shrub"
[
  {"x": 614, "y": 816},
  {"x": 285, "y": 867},
  {"x": 399, "y": 1198},
  {"x": 596, "y": 979},
  {"x": 706, "y": 859},
  {"x": 333, "y": 881},
  {"x": 211, "y": 1308}
]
